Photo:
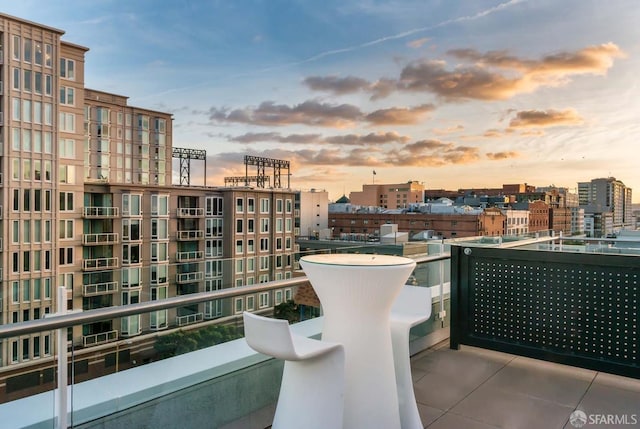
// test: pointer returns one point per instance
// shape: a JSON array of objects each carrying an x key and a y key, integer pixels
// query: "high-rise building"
[
  {"x": 607, "y": 195},
  {"x": 88, "y": 205}
]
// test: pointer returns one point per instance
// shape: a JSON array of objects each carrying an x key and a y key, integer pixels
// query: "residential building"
[
  {"x": 517, "y": 222},
  {"x": 538, "y": 214},
  {"x": 88, "y": 205}
]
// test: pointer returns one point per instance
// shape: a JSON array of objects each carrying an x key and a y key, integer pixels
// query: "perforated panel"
[{"x": 589, "y": 311}]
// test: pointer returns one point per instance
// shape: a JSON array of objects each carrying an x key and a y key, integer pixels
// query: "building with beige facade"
[
  {"x": 88, "y": 204},
  {"x": 391, "y": 196}
]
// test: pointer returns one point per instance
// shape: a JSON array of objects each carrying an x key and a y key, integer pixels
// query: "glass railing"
[{"x": 176, "y": 353}]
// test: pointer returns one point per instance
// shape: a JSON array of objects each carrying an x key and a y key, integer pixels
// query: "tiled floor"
[{"x": 475, "y": 388}]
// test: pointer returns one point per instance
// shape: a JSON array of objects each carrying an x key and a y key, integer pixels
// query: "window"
[
  {"x": 251, "y": 265},
  {"x": 15, "y": 114},
  {"x": 131, "y": 254},
  {"x": 159, "y": 205},
  {"x": 27, "y": 82},
  {"x": 15, "y": 169},
  {"x": 48, "y": 85},
  {"x": 131, "y": 229},
  {"x": 28, "y": 50},
  {"x": 38, "y": 53},
  {"x": 264, "y": 205},
  {"x": 213, "y": 206},
  {"x": 250, "y": 303},
  {"x": 213, "y": 227},
  {"x": 159, "y": 229},
  {"x": 26, "y": 169},
  {"x": 26, "y": 116},
  {"x": 37, "y": 117},
  {"x": 263, "y": 299},
  {"x": 264, "y": 244},
  {"x": 65, "y": 256},
  {"x": 66, "y": 280},
  {"x": 67, "y": 174},
  {"x": 26, "y": 231},
  {"x": 26, "y": 200},
  {"x": 67, "y": 122},
  {"x": 48, "y": 116},
  {"x": 251, "y": 245},
  {"x": 239, "y": 226},
  {"x": 239, "y": 266},
  {"x": 288, "y": 223},
  {"x": 239, "y": 205},
  {"x": 213, "y": 248},
  {"x": 15, "y": 232},
  {"x": 16, "y": 79},
  {"x": 67, "y": 69},
  {"x": 264, "y": 263},
  {"x": 264, "y": 225},
  {"x": 278, "y": 206},
  {"x": 37, "y": 170},
  {"x": 67, "y": 148},
  {"x": 251, "y": 205},
  {"x": 16, "y": 48},
  {"x": 65, "y": 228},
  {"x": 159, "y": 252},
  {"x": 251, "y": 226},
  {"x": 288, "y": 206},
  {"x": 66, "y": 202},
  {"x": 47, "y": 200},
  {"x": 131, "y": 205},
  {"x": 239, "y": 247},
  {"x": 238, "y": 305},
  {"x": 279, "y": 224},
  {"x": 16, "y": 200}
]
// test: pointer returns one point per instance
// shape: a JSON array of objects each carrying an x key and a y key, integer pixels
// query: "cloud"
[
  {"x": 545, "y": 118},
  {"x": 498, "y": 156},
  {"x": 337, "y": 85},
  {"x": 448, "y": 130},
  {"x": 308, "y": 113},
  {"x": 496, "y": 75},
  {"x": 371, "y": 138},
  {"x": 417, "y": 43},
  {"x": 248, "y": 138},
  {"x": 399, "y": 115}
]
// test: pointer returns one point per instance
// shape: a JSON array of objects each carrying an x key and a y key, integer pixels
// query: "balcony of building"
[
  {"x": 190, "y": 235},
  {"x": 106, "y": 238},
  {"x": 182, "y": 278},
  {"x": 103, "y": 263},
  {"x": 189, "y": 212},
  {"x": 494, "y": 383},
  {"x": 100, "y": 212},
  {"x": 190, "y": 256},
  {"x": 99, "y": 288}
]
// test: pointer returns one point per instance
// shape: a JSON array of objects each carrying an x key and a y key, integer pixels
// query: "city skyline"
[{"x": 451, "y": 95}]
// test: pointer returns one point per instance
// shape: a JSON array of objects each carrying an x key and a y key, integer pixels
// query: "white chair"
[
  {"x": 312, "y": 389},
  {"x": 411, "y": 307}
]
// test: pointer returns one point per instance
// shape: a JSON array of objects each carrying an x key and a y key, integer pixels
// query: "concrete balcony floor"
[{"x": 474, "y": 388}]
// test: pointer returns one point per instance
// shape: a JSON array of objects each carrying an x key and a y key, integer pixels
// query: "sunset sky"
[{"x": 449, "y": 93}]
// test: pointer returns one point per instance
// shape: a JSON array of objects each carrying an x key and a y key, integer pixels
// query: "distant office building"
[
  {"x": 577, "y": 220},
  {"x": 608, "y": 195},
  {"x": 391, "y": 196}
]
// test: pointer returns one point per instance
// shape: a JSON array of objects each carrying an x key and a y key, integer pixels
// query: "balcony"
[
  {"x": 100, "y": 212},
  {"x": 189, "y": 277},
  {"x": 101, "y": 338},
  {"x": 468, "y": 387},
  {"x": 189, "y": 256},
  {"x": 99, "y": 288},
  {"x": 189, "y": 212},
  {"x": 100, "y": 238},
  {"x": 99, "y": 264},
  {"x": 190, "y": 235},
  {"x": 189, "y": 319}
]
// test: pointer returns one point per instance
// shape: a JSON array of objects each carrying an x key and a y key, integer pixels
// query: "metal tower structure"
[
  {"x": 185, "y": 156},
  {"x": 261, "y": 163}
]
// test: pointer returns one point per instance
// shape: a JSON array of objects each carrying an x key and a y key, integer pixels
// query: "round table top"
[{"x": 357, "y": 259}]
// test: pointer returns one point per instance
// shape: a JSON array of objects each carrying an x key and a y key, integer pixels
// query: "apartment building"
[{"x": 87, "y": 204}]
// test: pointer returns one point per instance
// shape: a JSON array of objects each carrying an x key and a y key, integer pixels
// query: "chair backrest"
[
  {"x": 269, "y": 336},
  {"x": 413, "y": 300}
]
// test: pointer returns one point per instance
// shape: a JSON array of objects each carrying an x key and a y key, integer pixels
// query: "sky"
[{"x": 453, "y": 94}]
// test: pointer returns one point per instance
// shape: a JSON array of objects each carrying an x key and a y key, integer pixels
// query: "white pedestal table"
[{"x": 356, "y": 292}]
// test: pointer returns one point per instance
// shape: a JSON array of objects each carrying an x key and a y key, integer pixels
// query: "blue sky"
[{"x": 450, "y": 93}]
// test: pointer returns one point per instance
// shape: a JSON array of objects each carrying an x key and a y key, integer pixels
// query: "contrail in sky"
[{"x": 332, "y": 52}]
